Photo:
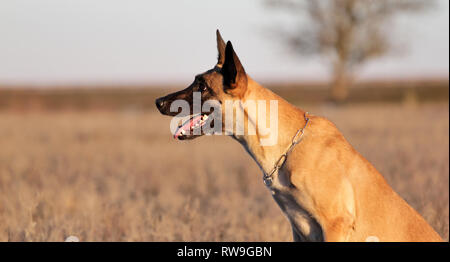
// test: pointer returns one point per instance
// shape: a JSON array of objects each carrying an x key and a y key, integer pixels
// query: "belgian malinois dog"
[{"x": 326, "y": 189}]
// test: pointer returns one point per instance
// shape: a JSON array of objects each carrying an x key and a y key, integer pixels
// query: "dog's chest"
[{"x": 288, "y": 198}]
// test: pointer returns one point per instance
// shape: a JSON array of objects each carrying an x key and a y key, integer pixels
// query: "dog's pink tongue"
[{"x": 187, "y": 126}]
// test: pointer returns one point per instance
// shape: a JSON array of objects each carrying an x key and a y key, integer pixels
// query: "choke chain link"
[{"x": 268, "y": 178}]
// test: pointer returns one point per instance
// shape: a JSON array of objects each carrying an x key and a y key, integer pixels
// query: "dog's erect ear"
[
  {"x": 232, "y": 70},
  {"x": 220, "y": 49}
]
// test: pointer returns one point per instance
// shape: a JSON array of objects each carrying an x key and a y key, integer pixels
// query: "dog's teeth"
[{"x": 183, "y": 132}]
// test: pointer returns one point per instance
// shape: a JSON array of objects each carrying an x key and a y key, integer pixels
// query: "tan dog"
[{"x": 327, "y": 190}]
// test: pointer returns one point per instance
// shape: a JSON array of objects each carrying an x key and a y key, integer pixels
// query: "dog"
[{"x": 325, "y": 188}]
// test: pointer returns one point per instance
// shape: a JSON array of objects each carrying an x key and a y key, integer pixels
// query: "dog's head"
[{"x": 226, "y": 81}]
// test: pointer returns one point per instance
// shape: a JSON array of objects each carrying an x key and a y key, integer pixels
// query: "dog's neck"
[{"x": 290, "y": 120}]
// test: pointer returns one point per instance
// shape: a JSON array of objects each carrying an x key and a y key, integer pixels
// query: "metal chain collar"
[{"x": 268, "y": 178}]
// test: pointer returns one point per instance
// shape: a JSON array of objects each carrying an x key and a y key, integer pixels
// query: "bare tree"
[{"x": 347, "y": 32}]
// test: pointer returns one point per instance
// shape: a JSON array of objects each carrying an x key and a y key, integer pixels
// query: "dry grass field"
[{"x": 119, "y": 176}]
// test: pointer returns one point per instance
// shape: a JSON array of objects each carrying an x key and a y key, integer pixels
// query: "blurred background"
[{"x": 84, "y": 152}]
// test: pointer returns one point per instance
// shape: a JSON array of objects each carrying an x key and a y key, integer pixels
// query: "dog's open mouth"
[{"x": 191, "y": 127}]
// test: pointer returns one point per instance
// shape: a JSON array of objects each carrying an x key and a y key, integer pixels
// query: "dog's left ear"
[
  {"x": 233, "y": 72},
  {"x": 220, "y": 49}
]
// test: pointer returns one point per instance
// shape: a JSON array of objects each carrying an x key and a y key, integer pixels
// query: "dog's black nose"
[{"x": 159, "y": 103}]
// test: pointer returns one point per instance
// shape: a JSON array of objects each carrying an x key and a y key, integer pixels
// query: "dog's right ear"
[
  {"x": 220, "y": 49},
  {"x": 234, "y": 76}
]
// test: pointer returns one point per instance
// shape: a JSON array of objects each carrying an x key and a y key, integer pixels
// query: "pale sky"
[{"x": 150, "y": 42}]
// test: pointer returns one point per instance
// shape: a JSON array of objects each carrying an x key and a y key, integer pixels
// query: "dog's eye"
[{"x": 202, "y": 87}]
